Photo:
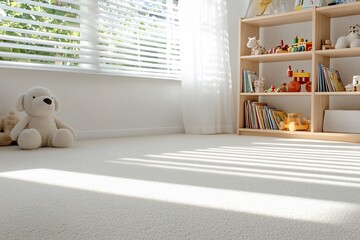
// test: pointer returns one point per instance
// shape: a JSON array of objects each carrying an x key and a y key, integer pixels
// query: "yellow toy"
[
  {"x": 293, "y": 123},
  {"x": 262, "y": 6},
  {"x": 7, "y": 123}
]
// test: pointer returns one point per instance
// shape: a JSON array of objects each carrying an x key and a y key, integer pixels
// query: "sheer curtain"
[{"x": 207, "y": 105}]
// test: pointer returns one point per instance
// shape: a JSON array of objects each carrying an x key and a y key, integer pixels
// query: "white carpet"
[{"x": 182, "y": 187}]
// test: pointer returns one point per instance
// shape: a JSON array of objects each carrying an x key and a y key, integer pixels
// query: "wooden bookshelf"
[
  {"x": 281, "y": 57},
  {"x": 339, "y": 53},
  {"x": 280, "y": 94},
  {"x": 321, "y": 24}
]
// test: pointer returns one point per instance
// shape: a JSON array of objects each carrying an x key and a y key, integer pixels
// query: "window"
[{"x": 125, "y": 37}]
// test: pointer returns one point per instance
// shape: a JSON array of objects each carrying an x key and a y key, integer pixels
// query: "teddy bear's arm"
[
  {"x": 60, "y": 124},
  {"x": 19, "y": 127}
]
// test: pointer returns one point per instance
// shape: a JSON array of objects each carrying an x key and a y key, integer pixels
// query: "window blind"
[{"x": 125, "y": 37}]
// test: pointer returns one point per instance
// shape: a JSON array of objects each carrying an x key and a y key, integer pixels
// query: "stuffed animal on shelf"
[
  {"x": 352, "y": 40},
  {"x": 7, "y": 123},
  {"x": 256, "y": 48},
  {"x": 40, "y": 128},
  {"x": 259, "y": 85}
]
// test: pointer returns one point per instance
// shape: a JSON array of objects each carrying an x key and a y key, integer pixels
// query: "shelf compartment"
[
  {"x": 279, "y": 57},
  {"x": 345, "y": 137},
  {"x": 338, "y": 93},
  {"x": 281, "y": 19},
  {"x": 274, "y": 131},
  {"x": 278, "y": 94},
  {"x": 339, "y": 53},
  {"x": 341, "y": 10}
]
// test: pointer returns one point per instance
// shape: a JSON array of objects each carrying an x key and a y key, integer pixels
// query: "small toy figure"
[
  {"x": 256, "y": 48},
  {"x": 282, "y": 88},
  {"x": 271, "y": 89},
  {"x": 356, "y": 82},
  {"x": 259, "y": 85},
  {"x": 279, "y": 49},
  {"x": 326, "y": 44},
  {"x": 350, "y": 88}
]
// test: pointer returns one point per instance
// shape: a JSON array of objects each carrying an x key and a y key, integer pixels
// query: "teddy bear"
[
  {"x": 259, "y": 85},
  {"x": 7, "y": 123},
  {"x": 352, "y": 40},
  {"x": 40, "y": 128}
]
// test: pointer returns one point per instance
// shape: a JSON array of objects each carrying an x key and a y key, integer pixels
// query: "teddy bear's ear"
[
  {"x": 20, "y": 103},
  {"x": 57, "y": 103}
]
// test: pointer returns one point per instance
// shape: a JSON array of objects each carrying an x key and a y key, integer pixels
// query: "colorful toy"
[
  {"x": 271, "y": 89},
  {"x": 293, "y": 123},
  {"x": 326, "y": 44},
  {"x": 299, "y": 78},
  {"x": 300, "y": 45},
  {"x": 351, "y": 40},
  {"x": 256, "y": 48},
  {"x": 279, "y": 49},
  {"x": 262, "y": 6},
  {"x": 282, "y": 88}
]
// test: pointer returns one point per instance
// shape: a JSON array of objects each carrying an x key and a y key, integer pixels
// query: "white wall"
[
  {"x": 236, "y": 10},
  {"x": 102, "y": 105}
]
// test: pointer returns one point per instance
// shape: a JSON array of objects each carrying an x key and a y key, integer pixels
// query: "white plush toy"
[
  {"x": 352, "y": 40},
  {"x": 256, "y": 48},
  {"x": 40, "y": 128}
]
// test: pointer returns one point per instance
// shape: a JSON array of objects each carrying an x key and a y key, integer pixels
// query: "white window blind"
[{"x": 125, "y": 37}]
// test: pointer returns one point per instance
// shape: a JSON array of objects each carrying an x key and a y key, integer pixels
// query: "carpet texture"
[{"x": 182, "y": 187}]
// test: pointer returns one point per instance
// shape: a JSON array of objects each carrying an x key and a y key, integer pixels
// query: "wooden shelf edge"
[
  {"x": 341, "y": 10},
  {"x": 339, "y": 53},
  {"x": 277, "y": 94},
  {"x": 337, "y": 93},
  {"x": 281, "y": 18},
  {"x": 278, "y": 57},
  {"x": 343, "y": 137}
]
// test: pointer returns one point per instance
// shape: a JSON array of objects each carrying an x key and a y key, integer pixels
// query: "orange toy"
[{"x": 299, "y": 78}]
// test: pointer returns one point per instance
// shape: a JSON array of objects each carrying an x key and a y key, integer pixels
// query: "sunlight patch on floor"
[{"x": 285, "y": 207}]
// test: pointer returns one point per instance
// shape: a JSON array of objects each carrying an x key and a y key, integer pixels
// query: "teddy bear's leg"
[
  {"x": 5, "y": 139},
  {"x": 29, "y": 139},
  {"x": 62, "y": 138}
]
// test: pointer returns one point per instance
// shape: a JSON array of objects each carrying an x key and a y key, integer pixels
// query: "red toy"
[{"x": 299, "y": 78}]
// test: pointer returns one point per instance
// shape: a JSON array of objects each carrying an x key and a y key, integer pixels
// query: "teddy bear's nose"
[{"x": 48, "y": 101}]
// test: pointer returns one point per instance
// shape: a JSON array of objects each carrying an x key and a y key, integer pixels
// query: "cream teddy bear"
[
  {"x": 40, "y": 128},
  {"x": 7, "y": 123}
]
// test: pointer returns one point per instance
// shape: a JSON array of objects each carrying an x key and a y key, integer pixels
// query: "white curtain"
[{"x": 208, "y": 106}]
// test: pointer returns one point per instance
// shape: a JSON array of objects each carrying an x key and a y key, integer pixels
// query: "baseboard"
[{"x": 90, "y": 134}]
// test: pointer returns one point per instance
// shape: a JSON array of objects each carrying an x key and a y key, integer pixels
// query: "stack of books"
[
  {"x": 249, "y": 78},
  {"x": 260, "y": 116},
  {"x": 329, "y": 80}
]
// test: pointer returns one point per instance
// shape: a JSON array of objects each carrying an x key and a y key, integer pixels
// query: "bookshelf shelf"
[
  {"x": 341, "y": 10},
  {"x": 320, "y": 101},
  {"x": 281, "y": 94},
  {"x": 278, "y": 19},
  {"x": 339, "y": 53},
  {"x": 338, "y": 93},
  {"x": 279, "y": 57}
]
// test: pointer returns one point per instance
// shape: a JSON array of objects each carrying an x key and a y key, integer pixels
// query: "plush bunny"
[{"x": 40, "y": 128}]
